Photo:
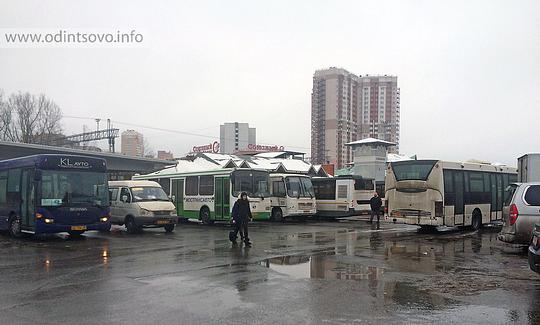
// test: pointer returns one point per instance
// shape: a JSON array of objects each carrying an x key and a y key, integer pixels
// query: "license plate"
[
  {"x": 162, "y": 222},
  {"x": 78, "y": 227}
]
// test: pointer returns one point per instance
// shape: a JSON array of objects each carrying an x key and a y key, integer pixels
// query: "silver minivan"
[
  {"x": 138, "y": 204},
  {"x": 521, "y": 212}
]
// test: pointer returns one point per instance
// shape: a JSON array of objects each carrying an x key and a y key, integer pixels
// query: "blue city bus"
[{"x": 53, "y": 193}]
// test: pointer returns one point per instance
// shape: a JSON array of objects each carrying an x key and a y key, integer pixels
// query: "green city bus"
[{"x": 209, "y": 196}]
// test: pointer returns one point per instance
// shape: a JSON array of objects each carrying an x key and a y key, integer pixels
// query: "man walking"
[
  {"x": 241, "y": 215},
  {"x": 376, "y": 204}
]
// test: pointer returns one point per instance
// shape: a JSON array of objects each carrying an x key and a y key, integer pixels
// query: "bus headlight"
[
  {"x": 49, "y": 221},
  {"x": 104, "y": 219}
]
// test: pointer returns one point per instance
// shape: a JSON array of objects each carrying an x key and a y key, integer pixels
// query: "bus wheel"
[
  {"x": 277, "y": 215},
  {"x": 131, "y": 226},
  {"x": 15, "y": 227},
  {"x": 169, "y": 228},
  {"x": 476, "y": 220},
  {"x": 204, "y": 215}
]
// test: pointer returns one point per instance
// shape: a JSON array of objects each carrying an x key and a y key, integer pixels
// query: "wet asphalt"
[{"x": 313, "y": 272}]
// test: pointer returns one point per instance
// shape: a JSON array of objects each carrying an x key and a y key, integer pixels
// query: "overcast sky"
[{"x": 468, "y": 70}]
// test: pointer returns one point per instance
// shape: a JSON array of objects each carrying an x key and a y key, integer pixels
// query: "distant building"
[
  {"x": 132, "y": 143},
  {"x": 165, "y": 155},
  {"x": 345, "y": 108},
  {"x": 234, "y": 137}
]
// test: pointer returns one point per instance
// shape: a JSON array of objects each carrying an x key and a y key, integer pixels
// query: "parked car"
[
  {"x": 138, "y": 204},
  {"x": 534, "y": 250},
  {"x": 521, "y": 211}
]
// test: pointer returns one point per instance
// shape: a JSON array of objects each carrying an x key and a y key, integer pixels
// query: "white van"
[{"x": 138, "y": 204}]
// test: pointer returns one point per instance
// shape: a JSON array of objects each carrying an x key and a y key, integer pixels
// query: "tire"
[
  {"x": 169, "y": 228},
  {"x": 76, "y": 233},
  {"x": 15, "y": 227},
  {"x": 131, "y": 226},
  {"x": 204, "y": 215},
  {"x": 476, "y": 222},
  {"x": 277, "y": 215}
]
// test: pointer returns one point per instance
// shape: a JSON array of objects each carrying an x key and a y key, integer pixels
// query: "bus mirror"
[
  {"x": 173, "y": 198},
  {"x": 37, "y": 175}
]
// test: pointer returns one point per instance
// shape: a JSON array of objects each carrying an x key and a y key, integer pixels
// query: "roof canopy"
[{"x": 371, "y": 141}]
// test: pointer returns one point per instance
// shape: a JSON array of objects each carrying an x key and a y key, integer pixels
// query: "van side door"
[
  {"x": 113, "y": 200},
  {"x": 124, "y": 203}
]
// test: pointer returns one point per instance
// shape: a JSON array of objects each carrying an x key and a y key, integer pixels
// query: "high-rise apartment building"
[
  {"x": 132, "y": 143},
  {"x": 345, "y": 108},
  {"x": 235, "y": 137}
]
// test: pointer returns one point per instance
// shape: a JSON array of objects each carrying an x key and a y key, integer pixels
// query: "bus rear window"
[{"x": 412, "y": 170}]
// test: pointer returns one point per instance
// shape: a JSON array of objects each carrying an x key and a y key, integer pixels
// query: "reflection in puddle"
[{"x": 322, "y": 267}]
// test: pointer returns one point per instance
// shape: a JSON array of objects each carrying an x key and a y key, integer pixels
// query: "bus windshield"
[
  {"x": 254, "y": 183},
  {"x": 413, "y": 169},
  {"x": 141, "y": 194},
  {"x": 73, "y": 188},
  {"x": 296, "y": 187},
  {"x": 308, "y": 187}
]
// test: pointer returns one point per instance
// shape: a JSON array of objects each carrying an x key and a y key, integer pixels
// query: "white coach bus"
[
  {"x": 292, "y": 195},
  {"x": 431, "y": 193},
  {"x": 343, "y": 196},
  {"x": 209, "y": 196}
]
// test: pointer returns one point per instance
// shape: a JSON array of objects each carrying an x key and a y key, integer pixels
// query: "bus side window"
[
  {"x": 13, "y": 194},
  {"x": 278, "y": 188},
  {"x": 206, "y": 185},
  {"x": 3, "y": 187},
  {"x": 192, "y": 185}
]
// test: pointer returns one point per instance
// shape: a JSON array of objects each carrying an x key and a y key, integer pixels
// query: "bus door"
[
  {"x": 459, "y": 208},
  {"x": 27, "y": 199},
  {"x": 178, "y": 193},
  {"x": 222, "y": 195}
]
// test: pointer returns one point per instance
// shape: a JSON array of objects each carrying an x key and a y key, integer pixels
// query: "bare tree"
[
  {"x": 148, "y": 151},
  {"x": 28, "y": 118}
]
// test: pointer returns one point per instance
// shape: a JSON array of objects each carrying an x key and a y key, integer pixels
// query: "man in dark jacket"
[
  {"x": 376, "y": 204},
  {"x": 241, "y": 215}
]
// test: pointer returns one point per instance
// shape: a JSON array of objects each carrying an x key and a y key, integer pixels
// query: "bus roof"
[
  {"x": 56, "y": 162},
  {"x": 173, "y": 174},
  {"x": 288, "y": 175},
  {"x": 475, "y": 166},
  {"x": 143, "y": 183}
]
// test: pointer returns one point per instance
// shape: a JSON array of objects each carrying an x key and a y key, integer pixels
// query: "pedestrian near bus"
[
  {"x": 375, "y": 204},
  {"x": 241, "y": 215}
]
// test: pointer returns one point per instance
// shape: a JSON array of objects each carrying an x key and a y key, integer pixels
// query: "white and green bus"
[
  {"x": 431, "y": 193},
  {"x": 292, "y": 196},
  {"x": 209, "y": 196}
]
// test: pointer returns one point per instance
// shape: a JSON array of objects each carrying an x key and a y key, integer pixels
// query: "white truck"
[{"x": 529, "y": 168}]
